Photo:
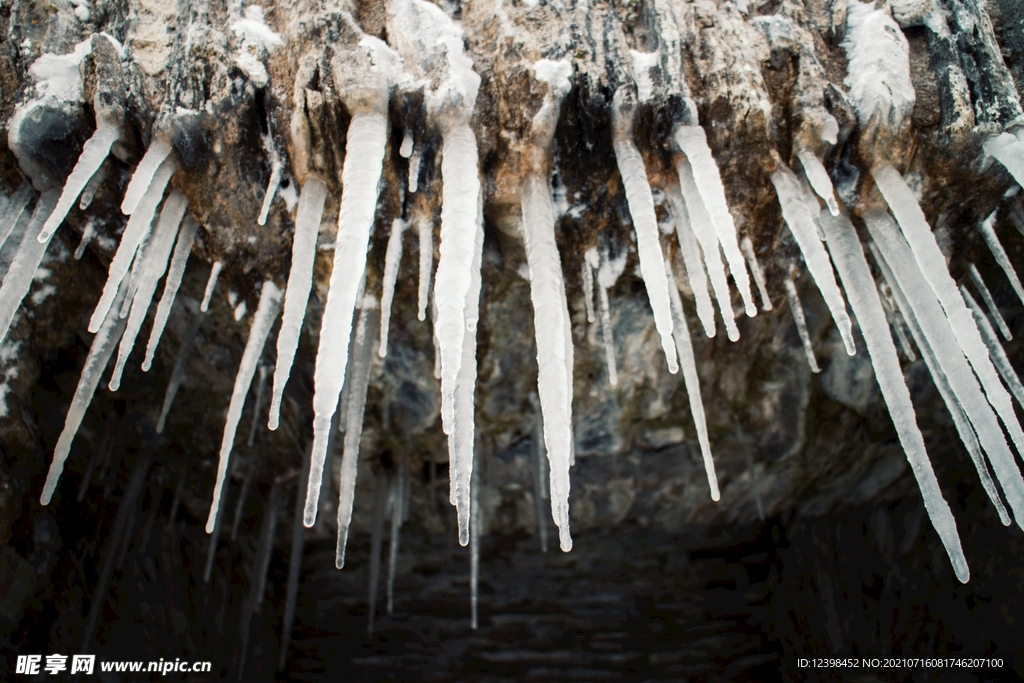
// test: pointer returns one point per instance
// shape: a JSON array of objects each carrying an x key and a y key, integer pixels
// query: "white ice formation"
[
  {"x": 693, "y": 261},
  {"x": 755, "y": 269},
  {"x": 300, "y": 281},
  {"x": 392, "y": 260},
  {"x": 797, "y": 310},
  {"x": 990, "y": 304},
  {"x": 995, "y": 349},
  {"x": 817, "y": 176},
  {"x": 94, "y": 153},
  {"x": 263, "y": 320},
  {"x": 878, "y": 70},
  {"x": 987, "y": 228},
  {"x": 30, "y": 254},
  {"x": 211, "y": 284},
  {"x": 179, "y": 259}
]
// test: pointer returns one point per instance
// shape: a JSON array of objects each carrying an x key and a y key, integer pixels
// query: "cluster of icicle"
[{"x": 951, "y": 331}]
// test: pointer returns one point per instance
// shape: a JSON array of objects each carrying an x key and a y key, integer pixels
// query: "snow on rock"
[
  {"x": 860, "y": 288},
  {"x": 694, "y": 143},
  {"x": 263, "y": 320},
  {"x": 800, "y": 215},
  {"x": 300, "y": 281},
  {"x": 878, "y": 67}
]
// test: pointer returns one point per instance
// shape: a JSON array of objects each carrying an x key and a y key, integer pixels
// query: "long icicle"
[
  {"x": 587, "y": 278},
  {"x": 94, "y": 153},
  {"x": 362, "y": 357},
  {"x": 960, "y": 420},
  {"x": 645, "y": 226},
  {"x": 547, "y": 291},
  {"x": 364, "y": 157},
  {"x": 800, "y": 218},
  {"x": 188, "y": 341},
  {"x": 692, "y": 260},
  {"x": 747, "y": 247},
  {"x": 179, "y": 259},
  {"x": 476, "y": 522},
  {"x": 455, "y": 271},
  {"x": 100, "y": 351},
  {"x": 145, "y": 174},
  {"x": 704, "y": 232},
  {"x": 540, "y": 475},
  {"x": 895, "y": 319},
  {"x": 932, "y": 264},
  {"x": 987, "y": 228},
  {"x": 899, "y": 259},
  {"x": 263, "y": 320},
  {"x": 797, "y": 310},
  {"x": 990, "y": 303},
  {"x": 392, "y": 262},
  {"x": 14, "y": 210},
  {"x": 848, "y": 256},
  {"x": 426, "y": 243},
  {"x": 684, "y": 345},
  {"x": 693, "y": 141},
  {"x": 462, "y": 439},
  {"x": 300, "y": 281},
  {"x": 294, "y": 564},
  {"x": 138, "y": 227},
  {"x": 150, "y": 273},
  {"x": 995, "y": 349},
  {"x": 604, "y": 308},
  {"x": 18, "y": 280}
]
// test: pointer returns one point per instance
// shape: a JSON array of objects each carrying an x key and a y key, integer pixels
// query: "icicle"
[
  {"x": 995, "y": 349},
  {"x": 124, "y": 509},
  {"x": 817, "y": 176},
  {"x": 990, "y": 304},
  {"x": 606, "y": 333},
  {"x": 92, "y": 187},
  {"x": 407, "y": 143},
  {"x": 988, "y": 232},
  {"x": 26, "y": 262},
  {"x": 755, "y": 268},
  {"x": 362, "y": 353},
  {"x": 909, "y": 280},
  {"x": 692, "y": 260},
  {"x": 588, "y": 282},
  {"x": 136, "y": 230},
  {"x": 268, "y": 196},
  {"x": 455, "y": 270},
  {"x": 704, "y": 231},
  {"x": 398, "y": 505},
  {"x": 540, "y": 475},
  {"x": 932, "y": 265},
  {"x": 392, "y": 261},
  {"x": 261, "y": 386},
  {"x": 462, "y": 439},
  {"x": 263, "y": 320},
  {"x": 178, "y": 372},
  {"x": 476, "y": 521},
  {"x": 801, "y": 323},
  {"x": 367, "y": 136},
  {"x": 414, "y": 170},
  {"x": 240, "y": 503},
  {"x": 860, "y": 288},
  {"x": 893, "y": 317},
  {"x": 179, "y": 259},
  {"x": 94, "y": 153},
  {"x": 694, "y": 143},
  {"x": 145, "y": 174},
  {"x": 294, "y": 564},
  {"x": 645, "y": 225},
  {"x": 426, "y": 239},
  {"x": 800, "y": 218},
  {"x": 211, "y": 284},
  {"x": 300, "y": 281},
  {"x": 266, "y": 546},
  {"x": 149, "y": 276},
  {"x": 376, "y": 541},
  {"x": 10, "y": 216},
  {"x": 87, "y": 235},
  {"x": 550, "y": 314},
  {"x": 95, "y": 363},
  {"x": 681, "y": 334}
]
